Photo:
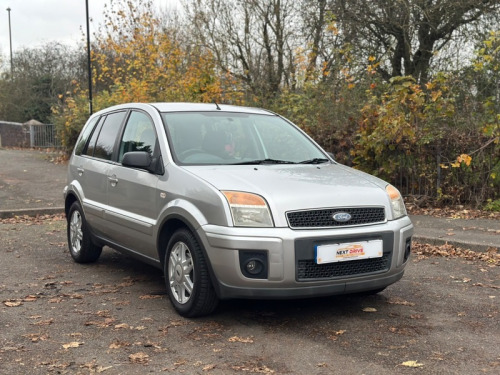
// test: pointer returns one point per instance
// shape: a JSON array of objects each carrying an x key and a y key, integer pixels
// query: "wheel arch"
[
  {"x": 71, "y": 197},
  {"x": 169, "y": 226}
]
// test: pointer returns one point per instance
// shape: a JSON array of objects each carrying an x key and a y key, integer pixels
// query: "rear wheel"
[
  {"x": 187, "y": 277},
  {"x": 80, "y": 243}
]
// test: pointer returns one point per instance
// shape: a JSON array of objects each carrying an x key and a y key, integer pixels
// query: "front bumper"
[{"x": 285, "y": 247}]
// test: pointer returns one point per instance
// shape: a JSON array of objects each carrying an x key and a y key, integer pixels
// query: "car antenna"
[{"x": 216, "y": 105}]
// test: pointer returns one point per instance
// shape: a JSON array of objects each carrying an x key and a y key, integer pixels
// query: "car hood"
[{"x": 298, "y": 187}]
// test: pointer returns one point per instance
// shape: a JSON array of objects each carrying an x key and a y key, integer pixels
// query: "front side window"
[
  {"x": 107, "y": 136},
  {"x": 139, "y": 135},
  {"x": 237, "y": 138}
]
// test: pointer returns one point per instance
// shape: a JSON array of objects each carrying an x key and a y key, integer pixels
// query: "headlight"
[
  {"x": 397, "y": 204},
  {"x": 248, "y": 210}
]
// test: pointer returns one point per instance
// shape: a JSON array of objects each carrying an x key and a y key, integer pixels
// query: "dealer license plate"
[{"x": 341, "y": 252}]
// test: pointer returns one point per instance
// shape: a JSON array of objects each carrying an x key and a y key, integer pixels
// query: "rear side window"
[
  {"x": 139, "y": 135},
  {"x": 91, "y": 146},
  {"x": 106, "y": 139},
  {"x": 82, "y": 140}
]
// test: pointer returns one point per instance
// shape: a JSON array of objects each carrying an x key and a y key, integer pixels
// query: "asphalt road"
[
  {"x": 30, "y": 179},
  {"x": 113, "y": 317}
]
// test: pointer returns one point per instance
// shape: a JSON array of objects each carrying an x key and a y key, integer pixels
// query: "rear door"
[
  {"x": 132, "y": 207},
  {"x": 93, "y": 167}
]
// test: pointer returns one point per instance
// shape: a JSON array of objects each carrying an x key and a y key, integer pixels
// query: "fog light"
[
  {"x": 254, "y": 263},
  {"x": 254, "y": 266},
  {"x": 407, "y": 249}
]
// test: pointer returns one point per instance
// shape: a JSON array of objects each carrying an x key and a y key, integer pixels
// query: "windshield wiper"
[
  {"x": 315, "y": 161},
  {"x": 264, "y": 161}
]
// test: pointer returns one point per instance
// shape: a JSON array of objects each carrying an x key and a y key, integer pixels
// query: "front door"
[{"x": 132, "y": 208}]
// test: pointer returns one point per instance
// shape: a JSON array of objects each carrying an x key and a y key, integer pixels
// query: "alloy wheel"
[
  {"x": 76, "y": 232},
  {"x": 181, "y": 272}
]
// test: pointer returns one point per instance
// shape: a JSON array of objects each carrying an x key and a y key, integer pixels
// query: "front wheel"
[
  {"x": 81, "y": 247},
  {"x": 186, "y": 275}
]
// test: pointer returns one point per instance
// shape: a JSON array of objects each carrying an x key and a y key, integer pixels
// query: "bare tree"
[
  {"x": 407, "y": 33},
  {"x": 253, "y": 39},
  {"x": 41, "y": 75}
]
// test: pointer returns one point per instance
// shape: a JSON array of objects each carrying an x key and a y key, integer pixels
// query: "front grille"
[
  {"x": 323, "y": 218},
  {"x": 308, "y": 270}
]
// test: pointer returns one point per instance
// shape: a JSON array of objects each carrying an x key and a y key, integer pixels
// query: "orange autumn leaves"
[{"x": 137, "y": 58}]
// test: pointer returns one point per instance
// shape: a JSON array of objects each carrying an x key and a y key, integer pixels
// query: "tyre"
[
  {"x": 186, "y": 275},
  {"x": 80, "y": 244}
]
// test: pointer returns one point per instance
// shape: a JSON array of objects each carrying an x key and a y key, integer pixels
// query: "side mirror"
[
  {"x": 137, "y": 159},
  {"x": 330, "y": 154}
]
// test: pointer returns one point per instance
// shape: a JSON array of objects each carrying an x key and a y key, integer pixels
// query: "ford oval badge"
[{"x": 342, "y": 217}]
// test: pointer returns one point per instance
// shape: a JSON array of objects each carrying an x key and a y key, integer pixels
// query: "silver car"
[{"x": 230, "y": 202}]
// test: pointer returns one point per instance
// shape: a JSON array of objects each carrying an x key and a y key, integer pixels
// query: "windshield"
[{"x": 208, "y": 138}]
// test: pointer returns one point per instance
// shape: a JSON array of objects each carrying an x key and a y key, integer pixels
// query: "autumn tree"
[{"x": 136, "y": 58}]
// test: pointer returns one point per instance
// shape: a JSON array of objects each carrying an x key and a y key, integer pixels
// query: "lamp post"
[
  {"x": 89, "y": 67},
  {"x": 10, "y": 40}
]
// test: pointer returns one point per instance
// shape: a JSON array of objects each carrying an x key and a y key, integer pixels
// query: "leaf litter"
[{"x": 423, "y": 251}]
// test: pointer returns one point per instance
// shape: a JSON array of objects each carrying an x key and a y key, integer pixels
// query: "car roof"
[
  {"x": 196, "y": 107},
  {"x": 189, "y": 107}
]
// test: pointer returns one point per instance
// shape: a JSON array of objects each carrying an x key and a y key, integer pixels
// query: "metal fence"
[{"x": 44, "y": 135}]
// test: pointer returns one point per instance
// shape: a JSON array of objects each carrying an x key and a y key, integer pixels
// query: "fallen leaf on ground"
[
  {"x": 370, "y": 309},
  {"x": 248, "y": 340},
  {"x": 34, "y": 337},
  {"x": 253, "y": 369},
  {"x": 150, "y": 296},
  {"x": 411, "y": 364},
  {"x": 140, "y": 357},
  {"x": 102, "y": 369},
  {"x": 12, "y": 303},
  {"x": 399, "y": 301},
  {"x": 336, "y": 334},
  {"x": 118, "y": 344},
  {"x": 106, "y": 323},
  {"x": 74, "y": 344},
  {"x": 46, "y": 322}
]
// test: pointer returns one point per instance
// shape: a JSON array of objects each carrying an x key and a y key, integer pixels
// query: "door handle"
[
  {"x": 113, "y": 180},
  {"x": 80, "y": 171}
]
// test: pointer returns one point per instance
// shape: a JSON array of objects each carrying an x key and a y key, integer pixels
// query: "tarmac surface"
[
  {"x": 32, "y": 182},
  {"x": 113, "y": 316}
]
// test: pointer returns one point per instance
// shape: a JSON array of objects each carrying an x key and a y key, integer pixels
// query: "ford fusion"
[{"x": 230, "y": 202}]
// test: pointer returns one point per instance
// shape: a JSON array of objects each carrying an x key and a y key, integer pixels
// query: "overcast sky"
[{"x": 35, "y": 22}]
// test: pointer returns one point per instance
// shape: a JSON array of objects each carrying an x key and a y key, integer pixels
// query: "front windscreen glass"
[{"x": 198, "y": 138}]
